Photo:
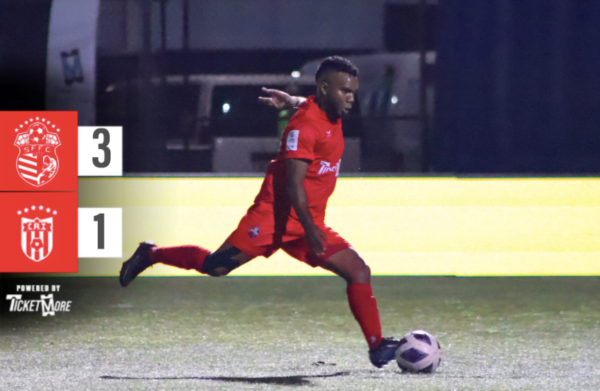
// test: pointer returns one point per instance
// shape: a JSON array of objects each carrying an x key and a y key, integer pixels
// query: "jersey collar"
[{"x": 320, "y": 114}]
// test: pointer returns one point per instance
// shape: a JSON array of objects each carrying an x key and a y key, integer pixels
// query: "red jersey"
[{"x": 310, "y": 136}]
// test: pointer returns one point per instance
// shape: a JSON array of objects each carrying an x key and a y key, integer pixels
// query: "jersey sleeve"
[{"x": 300, "y": 143}]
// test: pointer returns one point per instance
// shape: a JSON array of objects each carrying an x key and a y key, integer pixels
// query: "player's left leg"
[
  {"x": 352, "y": 268},
  {"x": 341, "y": 259}
]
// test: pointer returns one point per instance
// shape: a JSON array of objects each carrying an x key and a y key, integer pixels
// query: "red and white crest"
[
  {"x": 37, "y": 232},
  {"x": 37, "y": 162}
]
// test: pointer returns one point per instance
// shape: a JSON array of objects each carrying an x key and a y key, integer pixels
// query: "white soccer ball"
[{"x": 419, "y": 352}]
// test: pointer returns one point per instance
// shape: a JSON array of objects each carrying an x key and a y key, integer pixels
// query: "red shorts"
[{"x": 256, "y": 236}]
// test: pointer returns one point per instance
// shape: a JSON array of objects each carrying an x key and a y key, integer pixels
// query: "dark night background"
[{"x": 517, "y": 82}]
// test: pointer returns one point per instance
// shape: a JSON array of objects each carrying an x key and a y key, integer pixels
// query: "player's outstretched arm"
[
  {"x": 280, "y": 100},
  {"x": 295, "y": 173}
]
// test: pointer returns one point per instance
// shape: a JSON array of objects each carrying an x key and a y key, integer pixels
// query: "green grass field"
[{"x": 277, "y": 333}]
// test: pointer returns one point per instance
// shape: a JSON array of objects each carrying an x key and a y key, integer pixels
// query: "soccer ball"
[{"x": 419, "y": 352}]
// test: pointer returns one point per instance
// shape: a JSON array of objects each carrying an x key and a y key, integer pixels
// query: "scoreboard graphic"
[{"x": 42, "y": 154}]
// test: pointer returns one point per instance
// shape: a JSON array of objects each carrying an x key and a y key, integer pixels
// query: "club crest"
[
  {"x": 254, "y": 232},
  {"x": 37, "y": 232},
  {"x": 37, "y": 162}
]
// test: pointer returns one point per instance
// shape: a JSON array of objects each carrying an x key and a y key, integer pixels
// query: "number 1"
[{"x": 100, "y": 219}]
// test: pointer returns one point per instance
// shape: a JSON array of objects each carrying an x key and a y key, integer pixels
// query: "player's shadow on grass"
[{"x": 301, "y": 380}]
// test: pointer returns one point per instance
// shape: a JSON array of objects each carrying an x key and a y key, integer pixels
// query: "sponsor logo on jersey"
[
  {"x": 37, "y": 232},
  {"x": 292, "y": 140},
  {"x": 328, "y": 133},
  {"x": 327, "y": 167},
  {"x": 37, "y": 161}
]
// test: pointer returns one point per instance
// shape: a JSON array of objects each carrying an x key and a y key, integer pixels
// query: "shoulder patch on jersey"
[{"x": 292, "y": 140}]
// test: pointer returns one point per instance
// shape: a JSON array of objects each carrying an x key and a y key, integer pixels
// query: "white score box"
[
  {"x": 100, "y": 232},
  {"x": 100, "y": 150}
]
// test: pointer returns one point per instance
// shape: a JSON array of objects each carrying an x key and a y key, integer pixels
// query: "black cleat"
[
  {"x": 385, "y": 352},
  {"x": 139, "y": 261}
]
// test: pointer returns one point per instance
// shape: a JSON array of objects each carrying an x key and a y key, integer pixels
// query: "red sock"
[
  {"x": 364, "y": 308},
  {"x": 185, "y": 257}
]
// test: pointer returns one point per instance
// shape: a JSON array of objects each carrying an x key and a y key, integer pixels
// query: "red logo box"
[
  {"x": 38, "y": 151},
  {"x": 38, "y": 232}
]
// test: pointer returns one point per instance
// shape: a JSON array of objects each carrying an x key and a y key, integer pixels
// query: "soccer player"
[{"x": 289, "y": 211}]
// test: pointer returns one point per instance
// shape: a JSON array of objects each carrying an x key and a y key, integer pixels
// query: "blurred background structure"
[{"x": 448, "y": 86}]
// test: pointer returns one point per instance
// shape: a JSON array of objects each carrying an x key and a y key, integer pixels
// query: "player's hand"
[
  {"x": 316, "y": 239},
  {"x": 278, "y": 99}
]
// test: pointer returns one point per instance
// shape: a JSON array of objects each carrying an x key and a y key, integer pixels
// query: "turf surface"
[{"x": 280, "y": 333}]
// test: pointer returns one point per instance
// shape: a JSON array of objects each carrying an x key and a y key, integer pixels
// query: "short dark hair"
[{"x": 336, "y": 64}]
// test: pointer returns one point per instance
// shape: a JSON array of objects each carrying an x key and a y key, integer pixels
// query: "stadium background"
[
  {"x": 506, "y": 185},
  {"x": 516, "y": 87}
]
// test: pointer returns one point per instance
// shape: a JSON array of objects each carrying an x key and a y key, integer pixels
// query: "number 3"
[{"x": 103, "y": 147}]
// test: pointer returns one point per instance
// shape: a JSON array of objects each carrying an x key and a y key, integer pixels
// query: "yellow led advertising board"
[{"x": 400, "y": 226}]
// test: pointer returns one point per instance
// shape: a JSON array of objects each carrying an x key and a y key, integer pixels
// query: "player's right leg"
[{"x": 216, "y": 264}]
